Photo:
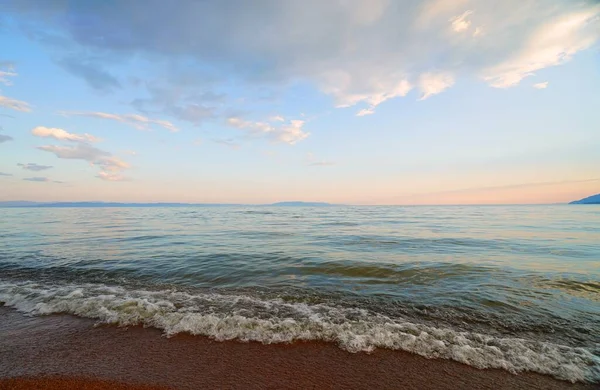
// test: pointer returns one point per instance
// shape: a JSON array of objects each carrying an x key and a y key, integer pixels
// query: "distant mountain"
[
  {"x": 305, "y": 204},
  {"x": 104, "y": 204},
  {"x": 594, "y": 199},
  {"x": 119, "y": 204},
  {"x": 17, "y": 203}
]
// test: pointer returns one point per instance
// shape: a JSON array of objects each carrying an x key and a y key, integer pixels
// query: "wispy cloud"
[
  {"x": 433, "y": 83},
  {"x": 62, "y": 135},
  {"x": 9, "y": 71},
  {"x": 139, "y": 122},
  {"x": 108, "y": 176},
  {"x": 230, "y": 143},
  {"x": 34, "y": 167},
  {"x": 41, "y": 179},
  {"x": 14, "y": 104},
  {"x": 110, "y": 166},
  {"x": 92, "y": 72},
  {"x": 4, "y": 75},
  {"x": 5, "y": 138},
  {"x": 290, "y": 132},
  {"x": 553, "y": 43},
  {"x": 461, "y": 23},
  {"x": 5, "y": 174},
  {"x": 543, "y": 85},
  {"x": 366, "y": 111}
]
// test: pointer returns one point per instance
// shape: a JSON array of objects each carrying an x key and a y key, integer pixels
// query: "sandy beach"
[{"x": 64, "y": 352}]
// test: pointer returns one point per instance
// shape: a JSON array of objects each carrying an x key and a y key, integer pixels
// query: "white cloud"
[
  {"x": 552, "y": 44},
  {"x": 289, "y": 133},
  {"x": 543, "y": 85},
  {"x": 107, "y": 176},
  {"x": 433, "y": 83},
  {"x": 350, "y": 87},
  {"x": 366, "y": 111},
  {"x": 14, "y": 104},
  {"x": 461, "y": 23},
  {"x": 62, "y": 135},
  {"x": 140, "y": 122}
]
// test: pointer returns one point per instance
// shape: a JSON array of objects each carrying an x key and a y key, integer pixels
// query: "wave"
[{"x": 246, "y": 318}]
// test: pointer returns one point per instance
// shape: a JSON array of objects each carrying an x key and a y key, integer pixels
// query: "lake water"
[{"x": 514, "y": 287}]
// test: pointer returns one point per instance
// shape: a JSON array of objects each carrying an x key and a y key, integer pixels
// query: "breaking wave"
[{"x": 246, "y": 318}]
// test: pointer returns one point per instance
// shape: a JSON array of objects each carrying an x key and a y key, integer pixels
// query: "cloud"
[
  {"x": 4, "y": 77},
  {"x": 107, "y": 176},
  {"x": 5, "y": 138},
  {"x": 553, "y": 43},
  {"x": 62, "y": 135},
  {"x": 110, "y": 166},
  {"x": 355, "y": 51},
  {"x": 461, "y": 22},
  {"x": 40, "y": 179},
  {"x": 140, "y": 122},
  {"x": 180, "y": 103},
  {"x": 9, "y": 72},
  {"x": 277, "y": 118},
  {"x": 92, "y": 73},
  {"x": 289, "y": 133},
  {"x": 230, "y": 143},
  {"x": 433, "y": 83},
  {"x": 34, "y": 167},
  {"x": 80, "y": 151},
  {"x": 543, "y": 85},
  {"x": 14, "y": 104},
  {"x": 5, "y": 174},
  {"x": 366, "y": 111}
]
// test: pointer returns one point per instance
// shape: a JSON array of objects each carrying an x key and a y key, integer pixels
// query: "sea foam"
[{"x": 245, "y": 318}]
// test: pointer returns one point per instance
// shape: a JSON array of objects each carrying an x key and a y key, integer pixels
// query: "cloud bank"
[{"x": 358, "y": 52}]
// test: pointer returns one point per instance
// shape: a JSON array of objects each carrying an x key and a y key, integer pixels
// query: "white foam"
[{"x": 226, "y": 317}]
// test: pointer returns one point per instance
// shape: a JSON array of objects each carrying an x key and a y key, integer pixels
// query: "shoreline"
[{"x": 64, "y": 349}]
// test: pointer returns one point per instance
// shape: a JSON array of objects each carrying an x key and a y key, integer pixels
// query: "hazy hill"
[{"x": 594, "y": 199}]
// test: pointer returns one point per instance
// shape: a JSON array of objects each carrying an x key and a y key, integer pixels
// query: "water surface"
[{"x": 516, "y": 287}]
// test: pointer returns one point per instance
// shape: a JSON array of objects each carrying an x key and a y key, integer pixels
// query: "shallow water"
[{"x": 516, "y": 287}]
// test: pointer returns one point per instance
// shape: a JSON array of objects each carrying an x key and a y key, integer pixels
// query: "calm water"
[{"x": 516, "y": 287}]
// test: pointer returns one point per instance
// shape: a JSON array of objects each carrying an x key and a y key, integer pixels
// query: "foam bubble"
[{"x": 227, "y": 317}]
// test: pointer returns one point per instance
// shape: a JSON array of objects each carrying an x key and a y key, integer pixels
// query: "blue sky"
[{"x": 355, "y": 101}]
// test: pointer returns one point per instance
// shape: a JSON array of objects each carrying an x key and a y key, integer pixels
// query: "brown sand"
[{"x": 53, "y": 352}]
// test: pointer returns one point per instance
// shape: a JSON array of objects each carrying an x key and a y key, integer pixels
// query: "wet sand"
[{"x": 64, "y": 352}]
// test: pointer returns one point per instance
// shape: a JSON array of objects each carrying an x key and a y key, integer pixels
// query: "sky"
[{"x": 344, "y": 101}]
